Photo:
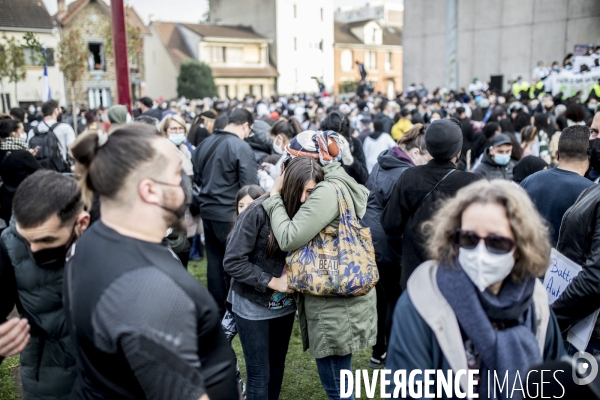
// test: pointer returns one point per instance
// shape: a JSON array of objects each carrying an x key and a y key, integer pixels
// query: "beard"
[{"x": 174, "y": 213}]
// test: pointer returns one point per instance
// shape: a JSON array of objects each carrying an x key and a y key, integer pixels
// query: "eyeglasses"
[
  {"x": 494, "y": 243},
  {"x": 176, "y": 129},
  {"x": 251, "y": 132}
]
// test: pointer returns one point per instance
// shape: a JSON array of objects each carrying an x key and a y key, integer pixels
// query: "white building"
[
  {"x": 17, "y": 18},
  {"x": 301, "y": 32},
  {"x": 238, "y": 57},
  {"x": 386, "y": 14}
]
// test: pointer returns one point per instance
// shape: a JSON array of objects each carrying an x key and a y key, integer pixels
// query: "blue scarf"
[{"x": 512, "y": 349}]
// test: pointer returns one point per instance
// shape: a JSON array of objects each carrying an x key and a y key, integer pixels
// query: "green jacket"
[{"x": 329, "y": 325}]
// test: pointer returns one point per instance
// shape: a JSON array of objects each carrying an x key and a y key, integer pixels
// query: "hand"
[
  {"x": 280, "y": 284},
  {"x": 33, "y": 151},
  {"x": 267, "y": 166},
  {"x": 277, "y": 185},
  {"x": 346, "y": 153},
  {"x": 14, "y": 336}
]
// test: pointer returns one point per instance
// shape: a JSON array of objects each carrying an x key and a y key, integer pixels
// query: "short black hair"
[
  {"x": 61, "y": 197},
  {"x": 18, "y": 113},
  {"x": 573, "y": 143},
  {"x": 240, "y": 116},
  {"x": 147, "y": 101},
  {"x": 378, "y": 124},
  {"x": 460, "y": 110},
  {"x": 8, "y": 126},
  {"x": 490, "y": 129},
  {"x": 404, "y": 112},
  {"x": 49, "y": 107}
]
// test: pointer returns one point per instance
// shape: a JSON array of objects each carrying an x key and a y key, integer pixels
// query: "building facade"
[
  {"x": 17, "y": 18},
  {"x": 301, "y": 34},
  {"x": 92, "y": 18},
  {"x": 504, "y": 37},
  {"x": 385, "y": 13},
  {"x": 378, "y": 48},
  {"x": 238, "y": 57}
]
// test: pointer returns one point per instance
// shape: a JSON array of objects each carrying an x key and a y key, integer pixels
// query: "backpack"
[{"x": 49, "y": 155}]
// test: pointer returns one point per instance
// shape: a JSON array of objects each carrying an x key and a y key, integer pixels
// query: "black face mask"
[
  {"x": 594, "y": 154},
  {"x": 186, "y": 185},
  {"x": 54, "y": 257}
]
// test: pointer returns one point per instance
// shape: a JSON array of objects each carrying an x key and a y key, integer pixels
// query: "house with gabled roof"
[
  {"x": 238, "y": 57},
  {"x": 91, "y": 19},
  {"x": 17, "y": 18}
]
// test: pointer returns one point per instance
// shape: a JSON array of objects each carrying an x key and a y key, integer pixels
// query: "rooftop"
[{"x": 26, "y": 14}]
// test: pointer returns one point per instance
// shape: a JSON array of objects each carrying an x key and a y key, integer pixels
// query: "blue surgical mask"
[
  {"x": 177, "y": 138},
  {"x": 501, "y": 159}
]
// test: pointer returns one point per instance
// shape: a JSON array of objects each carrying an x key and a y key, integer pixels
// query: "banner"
[{"x": 570, "y": 83}]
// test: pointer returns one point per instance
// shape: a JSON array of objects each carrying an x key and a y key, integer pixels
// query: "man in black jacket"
[
  {"x": 223, "y": 164},
  {"x": 417, "y": 194},
  {"x": 145, "y": 105}
]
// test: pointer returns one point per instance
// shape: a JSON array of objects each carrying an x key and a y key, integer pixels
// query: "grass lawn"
[{"x": 301, "y": 381}]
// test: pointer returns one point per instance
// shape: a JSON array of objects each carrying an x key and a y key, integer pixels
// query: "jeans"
[
  {"x": 329, "y": 372},
  {"x": 265, "y": 345},
  {"x": 388, "y": 292},
  {"x": 215, "y": 237},
  {"x": 196, "y": 252}
]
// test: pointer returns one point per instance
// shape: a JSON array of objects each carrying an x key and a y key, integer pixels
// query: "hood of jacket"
[
  {"x": 358, "y": 192},
  {"x": 394, "y": 158}
]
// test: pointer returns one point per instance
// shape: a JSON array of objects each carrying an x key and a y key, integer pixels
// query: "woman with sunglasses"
[{"x": 478, "y": 303}]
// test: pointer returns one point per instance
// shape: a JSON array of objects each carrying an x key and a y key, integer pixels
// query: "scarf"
[
  {"x": 13, "y": 143},
  {"x": 323, "y": 146},
  {"x": 512, "y": 349}
]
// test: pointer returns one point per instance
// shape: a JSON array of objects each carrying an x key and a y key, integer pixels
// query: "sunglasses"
[{"x": 494, "y": 243}]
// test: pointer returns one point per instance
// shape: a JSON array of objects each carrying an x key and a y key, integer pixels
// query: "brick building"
[
  {"x": 98, "y": 86},
  {"x": 379, "y": 48}
]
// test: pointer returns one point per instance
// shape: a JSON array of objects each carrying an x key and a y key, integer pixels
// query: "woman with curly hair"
[{"x": 478, "y": 304}]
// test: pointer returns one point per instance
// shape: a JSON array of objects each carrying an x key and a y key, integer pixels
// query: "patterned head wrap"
[{"x": 324, "y": 146}]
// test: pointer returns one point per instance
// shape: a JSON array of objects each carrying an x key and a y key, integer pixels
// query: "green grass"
[{"x": 300, "y": 382}]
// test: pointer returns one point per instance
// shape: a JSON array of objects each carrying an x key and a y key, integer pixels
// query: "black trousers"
[
  {"x": 388, "y": 292},
  {"x": 215, "y": 238}
]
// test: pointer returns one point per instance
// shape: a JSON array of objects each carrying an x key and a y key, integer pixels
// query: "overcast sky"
[{"x": 183, "y": 10}]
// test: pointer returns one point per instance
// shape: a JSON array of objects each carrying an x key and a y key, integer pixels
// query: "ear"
[
  {"x": 556, "y": 155},
  {"x": 147, "y": 190},
  {"x": 82, "y": 223}
]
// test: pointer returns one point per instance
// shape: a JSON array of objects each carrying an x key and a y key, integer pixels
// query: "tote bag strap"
[{"x": 343, "y": 202}]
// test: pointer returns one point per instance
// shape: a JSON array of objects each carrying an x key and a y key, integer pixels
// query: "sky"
[{"x": 184, "y": 10}]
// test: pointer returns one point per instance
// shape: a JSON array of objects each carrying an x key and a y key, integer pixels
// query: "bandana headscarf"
[{"x": 324, "y": 146}]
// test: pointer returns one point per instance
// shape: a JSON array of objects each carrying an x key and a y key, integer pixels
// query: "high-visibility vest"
[
  {"x": 539, "y": 88},
  {"x": 596, "y": 89},
  {"x": 519, "y": 88}
]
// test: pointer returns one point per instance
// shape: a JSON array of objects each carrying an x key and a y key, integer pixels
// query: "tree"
[
  {"x": 16, "y": 70},
  {"x": 348, "y": 87},
  {"x": 195, "y": 81},
  {"x": 37, "y": 49},
  {"x": 135, "y": 41},
  {"x": 72, "y": 57}
]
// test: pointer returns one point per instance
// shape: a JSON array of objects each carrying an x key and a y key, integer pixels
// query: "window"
[
  {"x": 374, "y": 38},
  {"x": 370, "y": 60},
  {"x": 96, "y": 58},
  {"x": 216, "y": 54},
  {"x": 252, "y": 55},
  {"x": 134, "y": 63},
  {"x": 346, "y": 60},
  {"x": 388, "y": 61},
  {"x": 256, "y": 90},
  {"x": 295, "y": 14},
  {"x": 322, "y": 18},
  {"x": 295, "y": 44},
  {"x": 32, "y": 59},
  {"x": 234, "y": 55},
  {"x": 99, "y": 97}
]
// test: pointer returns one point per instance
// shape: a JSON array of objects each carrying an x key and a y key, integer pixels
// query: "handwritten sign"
[{"x": 559, "y": 275}]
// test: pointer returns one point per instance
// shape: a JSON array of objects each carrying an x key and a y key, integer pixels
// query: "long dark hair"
[
  {"x": 338, "y": 122},
  {"x": 298, "y": 172},
  {"x": 254, "y": 191}
]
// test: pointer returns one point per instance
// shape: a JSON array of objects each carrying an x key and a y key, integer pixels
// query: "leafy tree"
[
  {"x": 135, "y": 41},
  {"x": 72, "y": 57},
  {"x": 195, "y": 80},
  {"x": 14, "y": 62},
  {"x": 37, "y": 49}
]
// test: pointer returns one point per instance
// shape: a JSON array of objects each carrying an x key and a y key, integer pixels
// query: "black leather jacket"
[{"x": 579, "y": 240}]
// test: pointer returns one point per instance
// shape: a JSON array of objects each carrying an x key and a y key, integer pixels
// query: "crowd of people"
[{"x": 464, "y": 193}]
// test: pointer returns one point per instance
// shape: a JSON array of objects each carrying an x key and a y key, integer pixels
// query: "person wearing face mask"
[
  {"x": 281, "y": 133},
  {"x": 17, "y": 162},
  {"x": 417, "y": 193},
  {"x": 391, "y": 164},
  {"x": 555, "y": 190},
  {"x": 223, "y": 164},
  {"x": 478, "y": 303},
  {"x": 143, "y": 326},
  {"x": 496, "y": 162},
  {"x": 32, "y": 258}
]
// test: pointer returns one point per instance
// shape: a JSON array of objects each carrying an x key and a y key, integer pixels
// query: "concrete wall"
[
  {"x": 30, "y": 90},
  {"x": 502, "y": 37},
  {"x": 161, "y": 73}
]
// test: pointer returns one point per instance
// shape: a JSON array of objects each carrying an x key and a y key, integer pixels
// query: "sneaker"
[{"x": 377, "y": 363}]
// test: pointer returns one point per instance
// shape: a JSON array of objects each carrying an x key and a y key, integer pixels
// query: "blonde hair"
[
  {"x": 164, "y": 124},
  {"x": 532, "y": 253}
]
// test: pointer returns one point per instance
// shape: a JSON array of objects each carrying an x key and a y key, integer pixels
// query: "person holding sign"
[
  {"x": 478, "y": 304},
  {"x": 579, "y": 240}
]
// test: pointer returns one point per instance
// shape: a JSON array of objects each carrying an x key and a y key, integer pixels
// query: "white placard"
[{"x": 559, "y": 275}]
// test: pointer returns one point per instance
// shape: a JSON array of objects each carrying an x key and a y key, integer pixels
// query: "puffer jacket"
[
  {"x": 490, "y": 170},
  {"x": 328, "y": 325},
  {"x": 48, "y": 368},
  {"x": 579, "y": 240}
]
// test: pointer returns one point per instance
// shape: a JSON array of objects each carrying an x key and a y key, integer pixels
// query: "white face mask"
[
  {"x": 484, "y": 268},
  {"x": 276, "y": 147},
  {"x": 23, "y": 136}
]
